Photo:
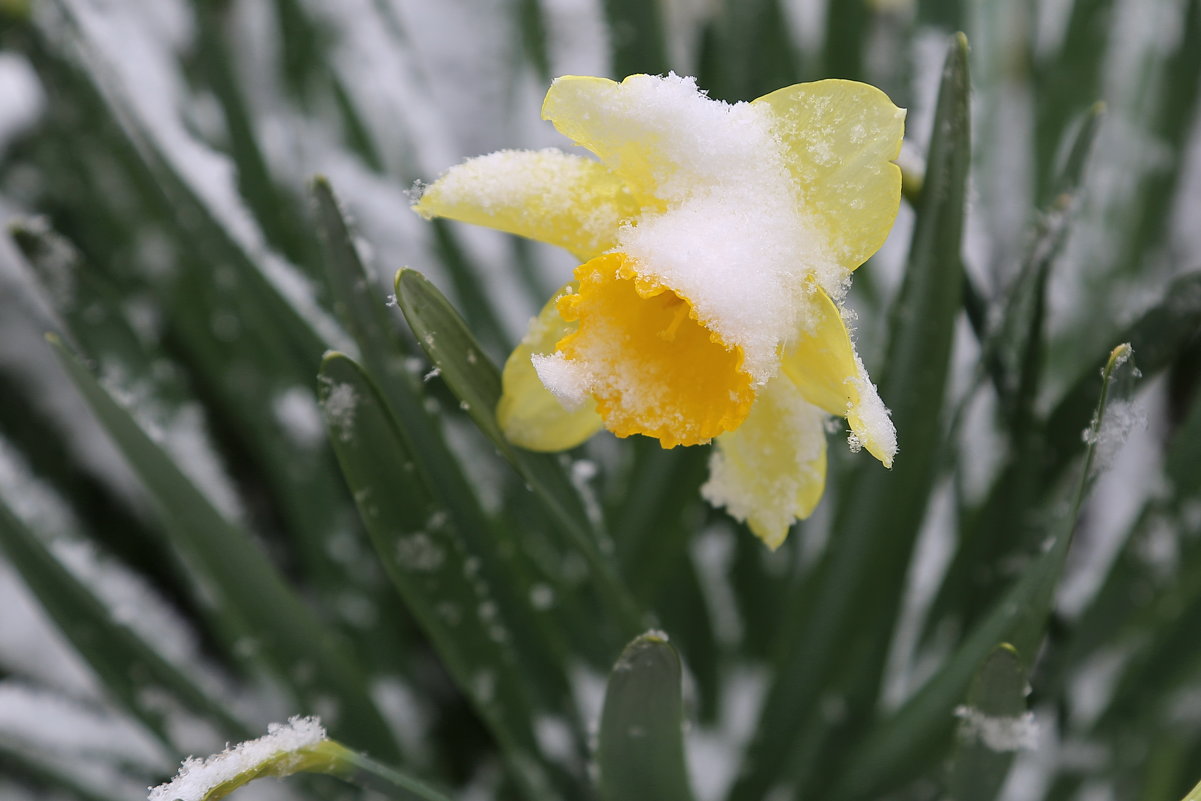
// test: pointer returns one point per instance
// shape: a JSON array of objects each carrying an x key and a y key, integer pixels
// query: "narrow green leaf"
[
  {"x": 476, "y": 382},
  {"x": 1194, "y": 794},
  {"x": 430, "y": 563},
  {"x": 210, "y": 315},
  {"x": 47, "y": 772},
  {"x": 1157, "y": 337},
  {"x": 641, "y": 749},
  {"x": 1182, "y": 462},
  {"x": 1012, "y": 355},
  {"x": 270, "y": 625},
  {"x": 83, "y": 297},
  {"x": 992, "y": 726},
  {"x": 1069, "y": 78},
  {"x": 910, "y": 740},
  {"x": 636, "y": 37},
  {"x": 128, "y": 667},
  {"x": 275, "y": 212},
  {"x": 747, "y": 51},
  {"x": 503, "y": 560},
  {"x": 843, "y": 622},
  {"x": 1020, "y": 338},
  {"x": 370, "y": 774},
  {"x": 847, "y": 26},
  {"x": 361, "y": 309}
]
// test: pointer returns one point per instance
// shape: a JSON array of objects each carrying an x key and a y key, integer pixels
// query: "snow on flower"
[{"x": 716, "y": 244}]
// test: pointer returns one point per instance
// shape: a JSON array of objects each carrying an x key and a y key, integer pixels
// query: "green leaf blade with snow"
[
  {"x": 433, "y": 568},
  {"x": 252, "y": 602}
]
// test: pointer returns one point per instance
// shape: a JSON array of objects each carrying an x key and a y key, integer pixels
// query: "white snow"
[
  {"x": 998, "y": 732},
  {"x": 714, "y": 752},
  {"x": 23, "y": 96},
  {"x": 340, "y": 404},
  {"x": 196, "y": 777},
  {"x": 407, "y": 711},
  {"x": 32, "y": 718},
  {"x": 135, "y": 56},
  {"x": 577, "y": 37},
  {"x": 297, "y": 412}
]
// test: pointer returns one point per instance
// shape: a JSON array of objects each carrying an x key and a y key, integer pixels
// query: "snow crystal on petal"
[
  {"x": 871, "y": 421},
  {"x": 567, "y": 380}
]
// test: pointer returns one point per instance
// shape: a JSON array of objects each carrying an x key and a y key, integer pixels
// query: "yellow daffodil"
[{"x": 716, "y": 243}]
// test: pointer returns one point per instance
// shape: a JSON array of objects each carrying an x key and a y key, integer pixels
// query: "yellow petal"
[
  {"x": 569, "y": 201},
  {"x": 839, "y": 139},
  {"x": 652, "y": 368},
  {"x": 823, "y": 365},
  {"x": 771, "y": 471},
  {"x": 588, "y": 110},
  {"x": 530, "y": 416}
]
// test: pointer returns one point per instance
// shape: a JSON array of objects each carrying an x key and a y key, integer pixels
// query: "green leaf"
[
  {"x": 360, "y": 307},
  {"x": 430, "y": 562},
  {"x": 128, "y": 667},
  {"x": 641, "y": 748},
  {"x": 1069, "y": 78},
  {"x": 1157, "y": 336},
  {"x": 277, "y": 340},
  {"x": 503, "y": 556},
  {"x": 1019, "y": 341},
  {"x": 261, "y": 616},
  {"x": 747, "y": 51},
  {"x": 637, "y": 37},
  {"x": 476, "y": 382},
  {"x": 51, "y": 773},
  {"x": 1182, "y": 462},
  {"x": 840, "y": 626},
  {"x": 275, "y": 212},
  {"x": 992, "y": 726},
  {"x": 911, "y": 738},
  {"x": 1012, "y": 355}
]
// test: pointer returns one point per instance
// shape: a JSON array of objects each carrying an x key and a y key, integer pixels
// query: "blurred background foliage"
[{"x": 188, "y": 555}]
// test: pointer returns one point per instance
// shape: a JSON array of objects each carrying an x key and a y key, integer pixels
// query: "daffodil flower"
[{"x": 716, "y": 243}]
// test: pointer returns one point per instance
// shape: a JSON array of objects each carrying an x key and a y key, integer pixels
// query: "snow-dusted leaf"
[
  {"x": 469, "y": 374},
  {"x": 437, "y": 574},
  {"x": 994, "y": 724},
  {"x": 921, "y": 726},
  {"x": 264, "y": 620},
  {"x": 132, "y": 670},
  {"x": 862, "y": 574}
]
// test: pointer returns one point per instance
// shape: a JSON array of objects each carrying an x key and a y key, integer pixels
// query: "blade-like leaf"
[
  {"x": 134, "y": 674},
  {"x": 361, "y": 309},
  {"x": 638, "y": 38},
  {"x": 1012, "y": 355},
  {"x": 992, "y": 726},
  {"x": 268, "y": 622},
  {"x": 1157, "y": 337},
  {"x": 476, "y": 382},
  {"x": 846, "y": 618},
  {"x": 430, "y": 563},
  {"x": 53, "y": 776},
  {"x": 909, "y": 740},
  {"x": 641, "y": 748},
  {"x": 502, "y": 559}
]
